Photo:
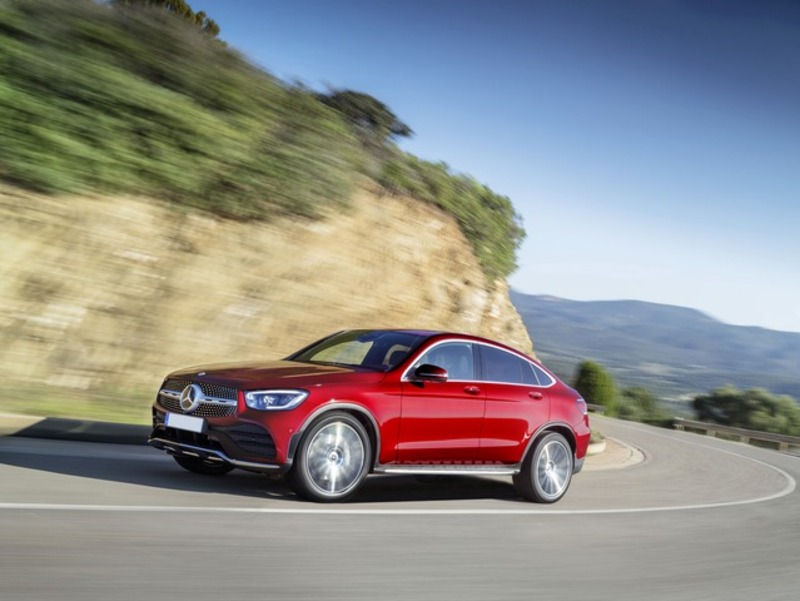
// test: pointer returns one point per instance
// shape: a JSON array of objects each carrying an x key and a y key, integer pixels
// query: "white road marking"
[{"x": 790, "y": 487}]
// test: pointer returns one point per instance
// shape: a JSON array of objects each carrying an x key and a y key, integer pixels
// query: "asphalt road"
[{"x": 699, "y": 519}]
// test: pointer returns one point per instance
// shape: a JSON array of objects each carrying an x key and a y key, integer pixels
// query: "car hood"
[{"x": 288, "y": 374}]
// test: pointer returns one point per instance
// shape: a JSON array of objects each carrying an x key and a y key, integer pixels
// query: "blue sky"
[{"x": 652, "y": 147}]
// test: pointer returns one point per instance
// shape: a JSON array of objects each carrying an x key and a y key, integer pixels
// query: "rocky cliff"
[{"x": 102, "y": 296}]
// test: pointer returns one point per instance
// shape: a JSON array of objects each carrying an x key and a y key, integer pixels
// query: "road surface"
[{"x": 698, "y": 519}]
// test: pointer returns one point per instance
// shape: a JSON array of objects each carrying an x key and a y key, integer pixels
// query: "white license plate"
[{"x": 185, "y": 422}]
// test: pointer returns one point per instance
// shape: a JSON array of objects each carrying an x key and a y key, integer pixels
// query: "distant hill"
[{"x": 673, "y": 351}]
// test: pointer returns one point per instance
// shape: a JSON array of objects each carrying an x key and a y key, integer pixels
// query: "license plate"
[{"x": 185, "y": 422}]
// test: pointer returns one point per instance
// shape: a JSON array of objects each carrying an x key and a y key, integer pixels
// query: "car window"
[
  {"x": 502, "y": 366},
  {"x": 374, "y": 349},
  {"x": 350, "y": 352},
  {"x": 544, "y": 378},
  {"x": 455, "y": 357}
]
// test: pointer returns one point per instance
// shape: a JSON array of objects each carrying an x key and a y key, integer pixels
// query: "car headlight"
[{"x": 274, "y": 400}]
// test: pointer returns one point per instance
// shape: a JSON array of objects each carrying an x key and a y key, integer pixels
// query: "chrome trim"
[
  {"x": 449, "y": 470},
  {"x": 182, "y": 448},
  {"x": 191, "y": 398},
  {"x": 405, "y": 377},
  {"x": 171, "y": 394}
]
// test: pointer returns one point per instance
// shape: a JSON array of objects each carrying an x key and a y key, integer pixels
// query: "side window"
[
  {"x": 502, "y": 366},
  {"x": 529, "y": 374},
  {"x": 455, "y": 357},
  {"x": 544, "y": 378}
]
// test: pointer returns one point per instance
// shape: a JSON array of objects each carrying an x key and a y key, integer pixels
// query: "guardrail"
[
  {"x": 782, "y": 441},
  {"x": 596, "y": 408}
]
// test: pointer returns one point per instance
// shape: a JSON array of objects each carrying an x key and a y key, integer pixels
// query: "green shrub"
[
  {"x": 640, "y": 405},
  {"x": 752, "y": 409},
  {"x": 488, "y": 220},
  {"x": 108, "y": 99},
  {"x": 596, "y": 386},
  {"x": 130, "y": 98}
]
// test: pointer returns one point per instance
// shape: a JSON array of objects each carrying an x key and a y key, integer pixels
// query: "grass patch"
[{"x": 109, "y": 406}]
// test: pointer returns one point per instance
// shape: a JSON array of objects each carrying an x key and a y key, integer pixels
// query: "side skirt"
[{"x": 449, "y": 470}]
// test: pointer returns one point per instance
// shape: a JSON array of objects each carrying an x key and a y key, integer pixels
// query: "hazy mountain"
[{"x": 671, "y": 350}]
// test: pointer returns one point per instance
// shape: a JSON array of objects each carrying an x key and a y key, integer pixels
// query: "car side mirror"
[{"x": 430, "y": 373}]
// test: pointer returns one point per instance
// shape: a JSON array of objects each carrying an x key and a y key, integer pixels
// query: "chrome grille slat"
[
  {"x": 220, "y": 401},
  {"x": 204, "y": 410},
  {"x": 210, "y": 390}
]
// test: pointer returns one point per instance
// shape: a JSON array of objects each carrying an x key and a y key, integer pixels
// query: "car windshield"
[{"x": 379, "y": 350}]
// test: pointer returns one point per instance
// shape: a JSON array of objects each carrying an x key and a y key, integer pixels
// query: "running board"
[{"x": 449, "y": 470}]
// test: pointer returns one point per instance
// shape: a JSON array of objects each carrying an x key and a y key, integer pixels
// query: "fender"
[
  {"x": 550, "y": 427},
  {"x": 334, "y": 405}
]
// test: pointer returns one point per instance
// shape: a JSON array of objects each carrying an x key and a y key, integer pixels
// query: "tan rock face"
[{"x": 112, "y": 293}]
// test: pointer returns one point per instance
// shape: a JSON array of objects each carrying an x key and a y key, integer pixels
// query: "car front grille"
[
  {"x": 211, "y": 390},
  {"x": 204, "y": 410},
  {"x": 169, "y": 398}
]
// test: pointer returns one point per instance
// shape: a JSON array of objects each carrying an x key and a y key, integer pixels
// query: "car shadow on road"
[{"x": 135, "y": 465}]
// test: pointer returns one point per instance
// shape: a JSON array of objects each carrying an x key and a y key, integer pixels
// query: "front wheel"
[
  {"x": 546, "y": 471},
  {"x": 198, "y": 466},
  {"x": 333, "y": 459}
]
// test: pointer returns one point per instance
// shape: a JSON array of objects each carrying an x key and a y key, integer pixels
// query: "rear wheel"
[
  {"x": 546, "y": 471},
  {"x": 198, "y": 466},
  {"x": 333, "y": 459}
]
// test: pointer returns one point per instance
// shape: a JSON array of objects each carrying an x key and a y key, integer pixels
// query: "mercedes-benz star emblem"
[{"x": 191, "y": 397}]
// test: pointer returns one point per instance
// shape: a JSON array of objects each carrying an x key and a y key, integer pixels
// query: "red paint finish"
[
  {"x": 440, "y": 422},
  {"x": 511, "y": 418},
  {"x": 490, "y": 409}
]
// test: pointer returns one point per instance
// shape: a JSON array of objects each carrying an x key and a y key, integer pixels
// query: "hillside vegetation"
[
  {"x": 123, "y": 98},
  {"x": 165, "y": 203}
]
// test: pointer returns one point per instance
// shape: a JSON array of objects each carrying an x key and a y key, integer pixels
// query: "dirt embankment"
[{"x": 108, "y": 294}]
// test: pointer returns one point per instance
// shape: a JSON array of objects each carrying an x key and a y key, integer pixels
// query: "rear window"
[{"x": 502, "y": 366}]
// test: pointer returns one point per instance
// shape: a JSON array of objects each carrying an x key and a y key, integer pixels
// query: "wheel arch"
[
  {"x": 559, "y": 427},
  {"x": 357, "y": 411}
]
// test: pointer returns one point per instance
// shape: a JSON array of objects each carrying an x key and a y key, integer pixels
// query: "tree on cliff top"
[
  {"x": 180, "y": 8},
  {"x": 371, "y": 119}
]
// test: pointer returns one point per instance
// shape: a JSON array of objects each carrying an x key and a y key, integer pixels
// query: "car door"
[
  {"x": 440, "y": 422},
  {"x": 516, "y": 405}
]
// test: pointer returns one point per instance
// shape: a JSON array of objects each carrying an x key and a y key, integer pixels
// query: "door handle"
[
  {"x": 472, "y": 390},
  {"x": 536, "y": 396}
]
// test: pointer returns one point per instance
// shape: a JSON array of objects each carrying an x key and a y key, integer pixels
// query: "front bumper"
[
  {"x": 184, "y": 449},
  {"x": 243, "y": 444}
]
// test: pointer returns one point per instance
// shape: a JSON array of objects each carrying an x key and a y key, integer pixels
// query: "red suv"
[{"x": 378, "y": 401}]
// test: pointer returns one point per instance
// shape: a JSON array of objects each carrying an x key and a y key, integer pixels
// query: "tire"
[
  {"x": 333, "y": 459},
  {"x": 547, "y": 470},
  {"x": 198, "y": 466}
]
